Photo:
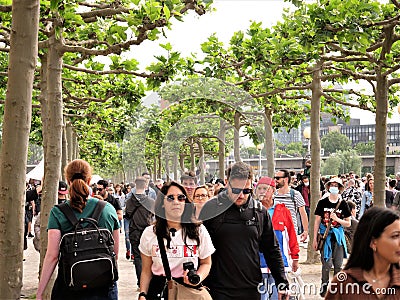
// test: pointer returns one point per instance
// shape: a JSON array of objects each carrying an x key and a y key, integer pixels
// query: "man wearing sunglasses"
[
  {"x": 102, "y": 194},
  {"x": 293, "y": 200},
  {"x": 239, "y": 228}
]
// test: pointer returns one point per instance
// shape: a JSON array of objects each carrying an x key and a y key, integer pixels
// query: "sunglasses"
[
  {"x": 100, "y": 189},
  {"x": 180, "y": 197},
  {"x": 237, "y": 191},
  {"x": 279, "y": 177}
]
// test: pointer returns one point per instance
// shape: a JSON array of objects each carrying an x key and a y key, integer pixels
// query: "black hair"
[
  {"x": 103, "y": 182},
  {"x": 371, "y": 225},
  {"x": 286, "y": 174},
  {"x": 190, "y": 228},
  {"x": 367, "y": 187}
]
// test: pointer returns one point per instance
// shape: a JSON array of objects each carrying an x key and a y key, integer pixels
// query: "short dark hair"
[
  {"x": 286, "y": 174},
  {"x": 371, "y": 225},
  {"x": 145, "y": 173},
  {"x": 103, "y": 182},
  {"x": 188, "y": 175},
  {"x": 240, "y": 170},
  {"x": 351, "y": 204}
]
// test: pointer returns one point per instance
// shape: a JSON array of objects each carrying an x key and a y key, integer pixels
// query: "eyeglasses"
[
  {"x": 180, "y": 197},
  {"x": 201, "y": 196},
  {"x": 237, "y": 191},
  {"x": 279, "y": 177}
]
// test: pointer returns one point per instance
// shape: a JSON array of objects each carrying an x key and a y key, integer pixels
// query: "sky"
[{"x": 229, "y": 16}]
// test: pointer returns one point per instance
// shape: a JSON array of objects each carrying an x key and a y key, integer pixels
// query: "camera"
[{"x": 192, "y": 276}]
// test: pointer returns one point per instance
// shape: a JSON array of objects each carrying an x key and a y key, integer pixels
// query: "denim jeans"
[
  {"x": 113, "y": 292},
  {"x": 126, "y": 230}
]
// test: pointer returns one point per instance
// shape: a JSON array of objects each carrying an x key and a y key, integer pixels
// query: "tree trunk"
[
  {"x": 159, "y": 171},
  {"x": 70, "y": 142},
  {"x": 192, "y": 156},
  {"x": 182, "y": 162},
  {"x": 221, "y": 148},
  {"x": 64, "y": 158},
  {"x": 15, "y": 137},
  {"x": 53, "y": 121},
  {"x": 236, "y": 141},
  {"x": 316, "y": 88},
  {"x": 175, "y": 167},
  {"x": 269, "y": 142},
  {"x": 382, "y": 110},
  {"x": 201, "y": 163},
  {"x": 76, "y": 146}
]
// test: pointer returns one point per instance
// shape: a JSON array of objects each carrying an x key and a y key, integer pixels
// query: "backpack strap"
[
  {"x": 293, "y": 200},
  {"x": 68, "y": 213},
  {"x": 98, "y": 209}
]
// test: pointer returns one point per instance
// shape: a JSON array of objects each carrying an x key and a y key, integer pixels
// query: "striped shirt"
[{"x": 289, "y": 203}]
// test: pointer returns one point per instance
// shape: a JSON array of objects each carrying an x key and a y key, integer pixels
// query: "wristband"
[{"x": 142, "y": 294}]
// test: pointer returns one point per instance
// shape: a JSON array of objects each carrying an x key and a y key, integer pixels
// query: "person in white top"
[{"x": 184, "y": 239}]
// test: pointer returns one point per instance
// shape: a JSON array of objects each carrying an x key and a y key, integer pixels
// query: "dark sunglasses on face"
[
  {"x": 100, "y": 189},
  {"x": 180, "y": 197},
  {"x": 237, "y": 191},
  {"x": 279, "y": 177}
]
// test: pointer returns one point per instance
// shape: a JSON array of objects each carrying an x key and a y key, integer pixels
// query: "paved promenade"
[{"x": 127, "y": 283}]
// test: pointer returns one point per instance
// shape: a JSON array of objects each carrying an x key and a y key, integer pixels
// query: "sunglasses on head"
[
  {"x": 238, "y": 191},
  {"x": 180, "y": 197}
]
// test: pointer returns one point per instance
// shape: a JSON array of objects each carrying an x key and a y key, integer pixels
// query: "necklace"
[{"x": 375, "y": 280}]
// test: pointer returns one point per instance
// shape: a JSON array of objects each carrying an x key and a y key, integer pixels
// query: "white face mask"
[
  {"x": 306, "y": 183},
  {"x": 334, "y": 190}
]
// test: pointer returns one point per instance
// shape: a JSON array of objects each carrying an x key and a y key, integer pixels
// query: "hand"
[
  {"x": 334, "y": 217},
  {"x": 303, "y": 236},
  {"x": 295, "y": 266},
  {"x": 38, "y": 189},
  {"x": 186, "y": 278},
  {"x": 98, "y": 197},
  {"x": 283, "y": 295},
  {"x": 315, "y": 244}
]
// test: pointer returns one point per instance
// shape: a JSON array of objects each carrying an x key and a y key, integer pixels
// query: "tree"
[
  {"x": 365, "y": 149},
  {"x": 342, "y": 162},
  {"x": 334, "y": 141},
  {"x": 17, "y": 116}
]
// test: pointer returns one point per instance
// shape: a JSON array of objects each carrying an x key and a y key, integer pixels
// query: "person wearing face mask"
[{"x": 329, "y": 209}]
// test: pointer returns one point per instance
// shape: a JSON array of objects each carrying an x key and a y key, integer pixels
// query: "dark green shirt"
[{"x": 108, "y": 218}]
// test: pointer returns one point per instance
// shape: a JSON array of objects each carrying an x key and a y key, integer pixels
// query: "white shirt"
[{"x": 179, "y": 252}]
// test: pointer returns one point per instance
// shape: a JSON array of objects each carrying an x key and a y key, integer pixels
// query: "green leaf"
[{"x": 166, "y": 12}]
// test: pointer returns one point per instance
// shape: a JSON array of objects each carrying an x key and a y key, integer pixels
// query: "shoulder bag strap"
[
  {"x": 68, "y": 212},
  {"x": 164, "y": 258},
  {"x": 328, "y": 227}
]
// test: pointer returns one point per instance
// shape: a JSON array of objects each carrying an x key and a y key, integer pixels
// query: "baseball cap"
[
  {"x": 266, "y": 180},
  {"x": 62, "y": 188}
]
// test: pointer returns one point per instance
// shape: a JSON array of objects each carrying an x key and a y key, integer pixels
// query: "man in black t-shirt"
[{"x": 102, "y": 194}]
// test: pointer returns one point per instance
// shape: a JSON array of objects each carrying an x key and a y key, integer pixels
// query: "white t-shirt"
[{"x": 179, "y": 252}]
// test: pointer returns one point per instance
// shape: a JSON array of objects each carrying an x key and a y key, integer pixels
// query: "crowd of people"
[{"x": 239, "y": 235}]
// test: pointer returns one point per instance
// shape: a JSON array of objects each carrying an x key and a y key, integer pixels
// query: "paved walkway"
[{"x": 127, "y": 287}]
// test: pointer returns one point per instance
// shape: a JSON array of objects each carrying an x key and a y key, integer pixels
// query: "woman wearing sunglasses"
[{"x": 185, "y": 241}]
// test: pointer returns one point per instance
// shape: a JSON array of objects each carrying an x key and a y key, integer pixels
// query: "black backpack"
[{"x": 87, "y": 259}]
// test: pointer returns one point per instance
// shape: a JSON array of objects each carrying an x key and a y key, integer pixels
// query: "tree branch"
[{"x": 117, "y": 71}]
